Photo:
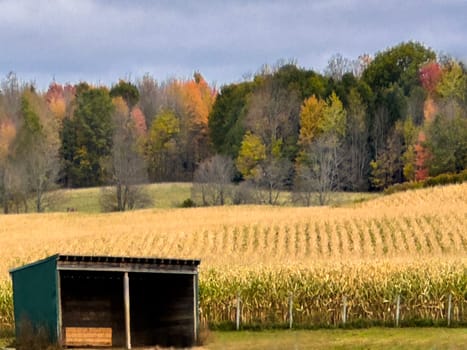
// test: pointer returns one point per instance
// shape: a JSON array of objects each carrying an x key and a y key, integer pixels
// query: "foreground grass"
[{"x": 374, "y": 338}]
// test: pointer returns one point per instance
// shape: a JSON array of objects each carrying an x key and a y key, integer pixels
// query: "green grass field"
[
  {"x": 168, "y": 195},
  {"x": 374, "y": 338},
  {"x": 164, "y": 195}
]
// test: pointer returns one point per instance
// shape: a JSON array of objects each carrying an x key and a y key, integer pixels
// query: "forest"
[{"x": 363, "y": 124}]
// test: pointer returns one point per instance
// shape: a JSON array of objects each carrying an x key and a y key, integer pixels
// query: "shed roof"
[{"x": 119, "y": 264}]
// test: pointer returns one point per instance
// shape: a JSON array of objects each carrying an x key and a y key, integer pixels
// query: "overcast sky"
[{"x": 102, "y": 41}]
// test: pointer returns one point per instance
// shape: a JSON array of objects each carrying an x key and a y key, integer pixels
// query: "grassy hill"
[
  {"x": 414, "y": 243},
  {"x": 163, "y": 195}
]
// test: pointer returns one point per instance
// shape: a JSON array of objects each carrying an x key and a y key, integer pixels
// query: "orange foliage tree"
[
  {"x": 59, "y": 98},
  {"x": 421, "y": 157},
  {"x": 197, "y": 99}
]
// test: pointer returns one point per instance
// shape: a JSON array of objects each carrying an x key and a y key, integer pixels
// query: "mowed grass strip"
[{"x": 373, "y": 338}]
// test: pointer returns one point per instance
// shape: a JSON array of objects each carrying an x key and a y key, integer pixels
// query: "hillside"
[
  {"x": 430, "y": 222},
  {"x": 413, "y": 243}
]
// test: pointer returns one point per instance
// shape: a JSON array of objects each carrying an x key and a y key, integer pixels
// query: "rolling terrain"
[{"x": 412, "y": 244}]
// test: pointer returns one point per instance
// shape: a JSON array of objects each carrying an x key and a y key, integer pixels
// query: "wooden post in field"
[
  {"x": 449, "y": 309},
  {"x": 398, "y": 309},
  {"x": 126, "y": 300},
  {"x": 344, "y": 310},
  {"x": 238, "y": 312},
  {"x": 290, "y": 310}
]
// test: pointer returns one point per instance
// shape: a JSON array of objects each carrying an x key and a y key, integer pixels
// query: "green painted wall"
[{"x": 35, "y": 296}]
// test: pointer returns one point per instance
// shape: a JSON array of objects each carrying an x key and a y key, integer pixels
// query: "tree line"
[{"x": 361, "y": 125}]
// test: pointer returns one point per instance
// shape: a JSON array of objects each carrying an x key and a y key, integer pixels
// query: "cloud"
[{"x": 101, "y": 41}]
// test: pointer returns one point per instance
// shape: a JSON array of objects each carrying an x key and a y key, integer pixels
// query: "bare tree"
[
  {"x": 15, "y": 194},
  {"x": 150, "y": 97},
  {"x": 317, "y": 176},
  {"x": 212, "y": 183},
  {"x": 271, "y": 179},
  {"x": 273, "y": 116},
  {"x": 126, "y": 166},
  {"x": 338, "y": 65},
  {"x": 355, "y": 153}
]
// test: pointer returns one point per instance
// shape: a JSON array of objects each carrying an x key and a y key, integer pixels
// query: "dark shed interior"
[
  {"x": 160, "y": 309},
  {"x": 93, "y": 299}
]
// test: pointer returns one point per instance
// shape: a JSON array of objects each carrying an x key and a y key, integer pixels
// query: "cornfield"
[
  {"x": 317, "y": 294},
  {"x": 412, "y": 245}
]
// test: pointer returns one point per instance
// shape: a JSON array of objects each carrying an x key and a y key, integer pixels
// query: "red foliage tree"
[
  {"x": 421, "y": 157},
  {"x": 430, "y": 75},
  {"x": 139, "y": 120}
]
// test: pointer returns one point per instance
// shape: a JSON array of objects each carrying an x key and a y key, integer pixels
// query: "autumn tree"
[
  {"x": 387, "y": 168},
  {"x": 440, "y": 146},
  {"x": 43, "y": 165},
  {"x": 60, "y": 99},
  {"x": 197, "y": 98},
  {"x": 161, "y": 148},
  {"x": 272, "y": 117},
  {"x": 322, "y": 128},
  {"x": 11, "y": 90},
  {"x": 252, "y": 153}
]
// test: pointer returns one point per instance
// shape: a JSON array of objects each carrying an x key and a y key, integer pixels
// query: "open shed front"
[{"x": 117, "y": 301}]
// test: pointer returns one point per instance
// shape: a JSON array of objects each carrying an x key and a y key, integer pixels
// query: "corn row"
[{"x": 370, "y": 291}]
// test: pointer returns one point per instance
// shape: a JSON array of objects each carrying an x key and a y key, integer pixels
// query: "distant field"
[
  {"x": 168, "y": 195},
  {"x": 412, "y": 244},
  {"x": 164, "y": 195}
]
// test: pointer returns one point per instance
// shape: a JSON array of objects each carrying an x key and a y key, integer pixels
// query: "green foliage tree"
[
  {"x": 453, "y": 83},
  {"x": 127, "y": 91},
  {"x": 225, "y": 123},
  {"x": 87, "y": 138},
  {"x": 447, "y": 143},
  {"x": 398, "y": 65}
]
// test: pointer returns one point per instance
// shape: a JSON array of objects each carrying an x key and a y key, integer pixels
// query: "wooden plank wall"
[{"x": 88, "y": 336}]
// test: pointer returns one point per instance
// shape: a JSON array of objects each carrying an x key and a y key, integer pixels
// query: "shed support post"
[
  {"x": 195, "y": 309},
  {"x": 126, "y": 300}
]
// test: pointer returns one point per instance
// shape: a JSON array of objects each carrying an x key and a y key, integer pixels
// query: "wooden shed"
[{"x": 109, "y": 301}]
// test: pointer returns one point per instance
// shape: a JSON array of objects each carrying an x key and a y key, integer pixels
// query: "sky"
[{"x": 102, "y": 41}]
